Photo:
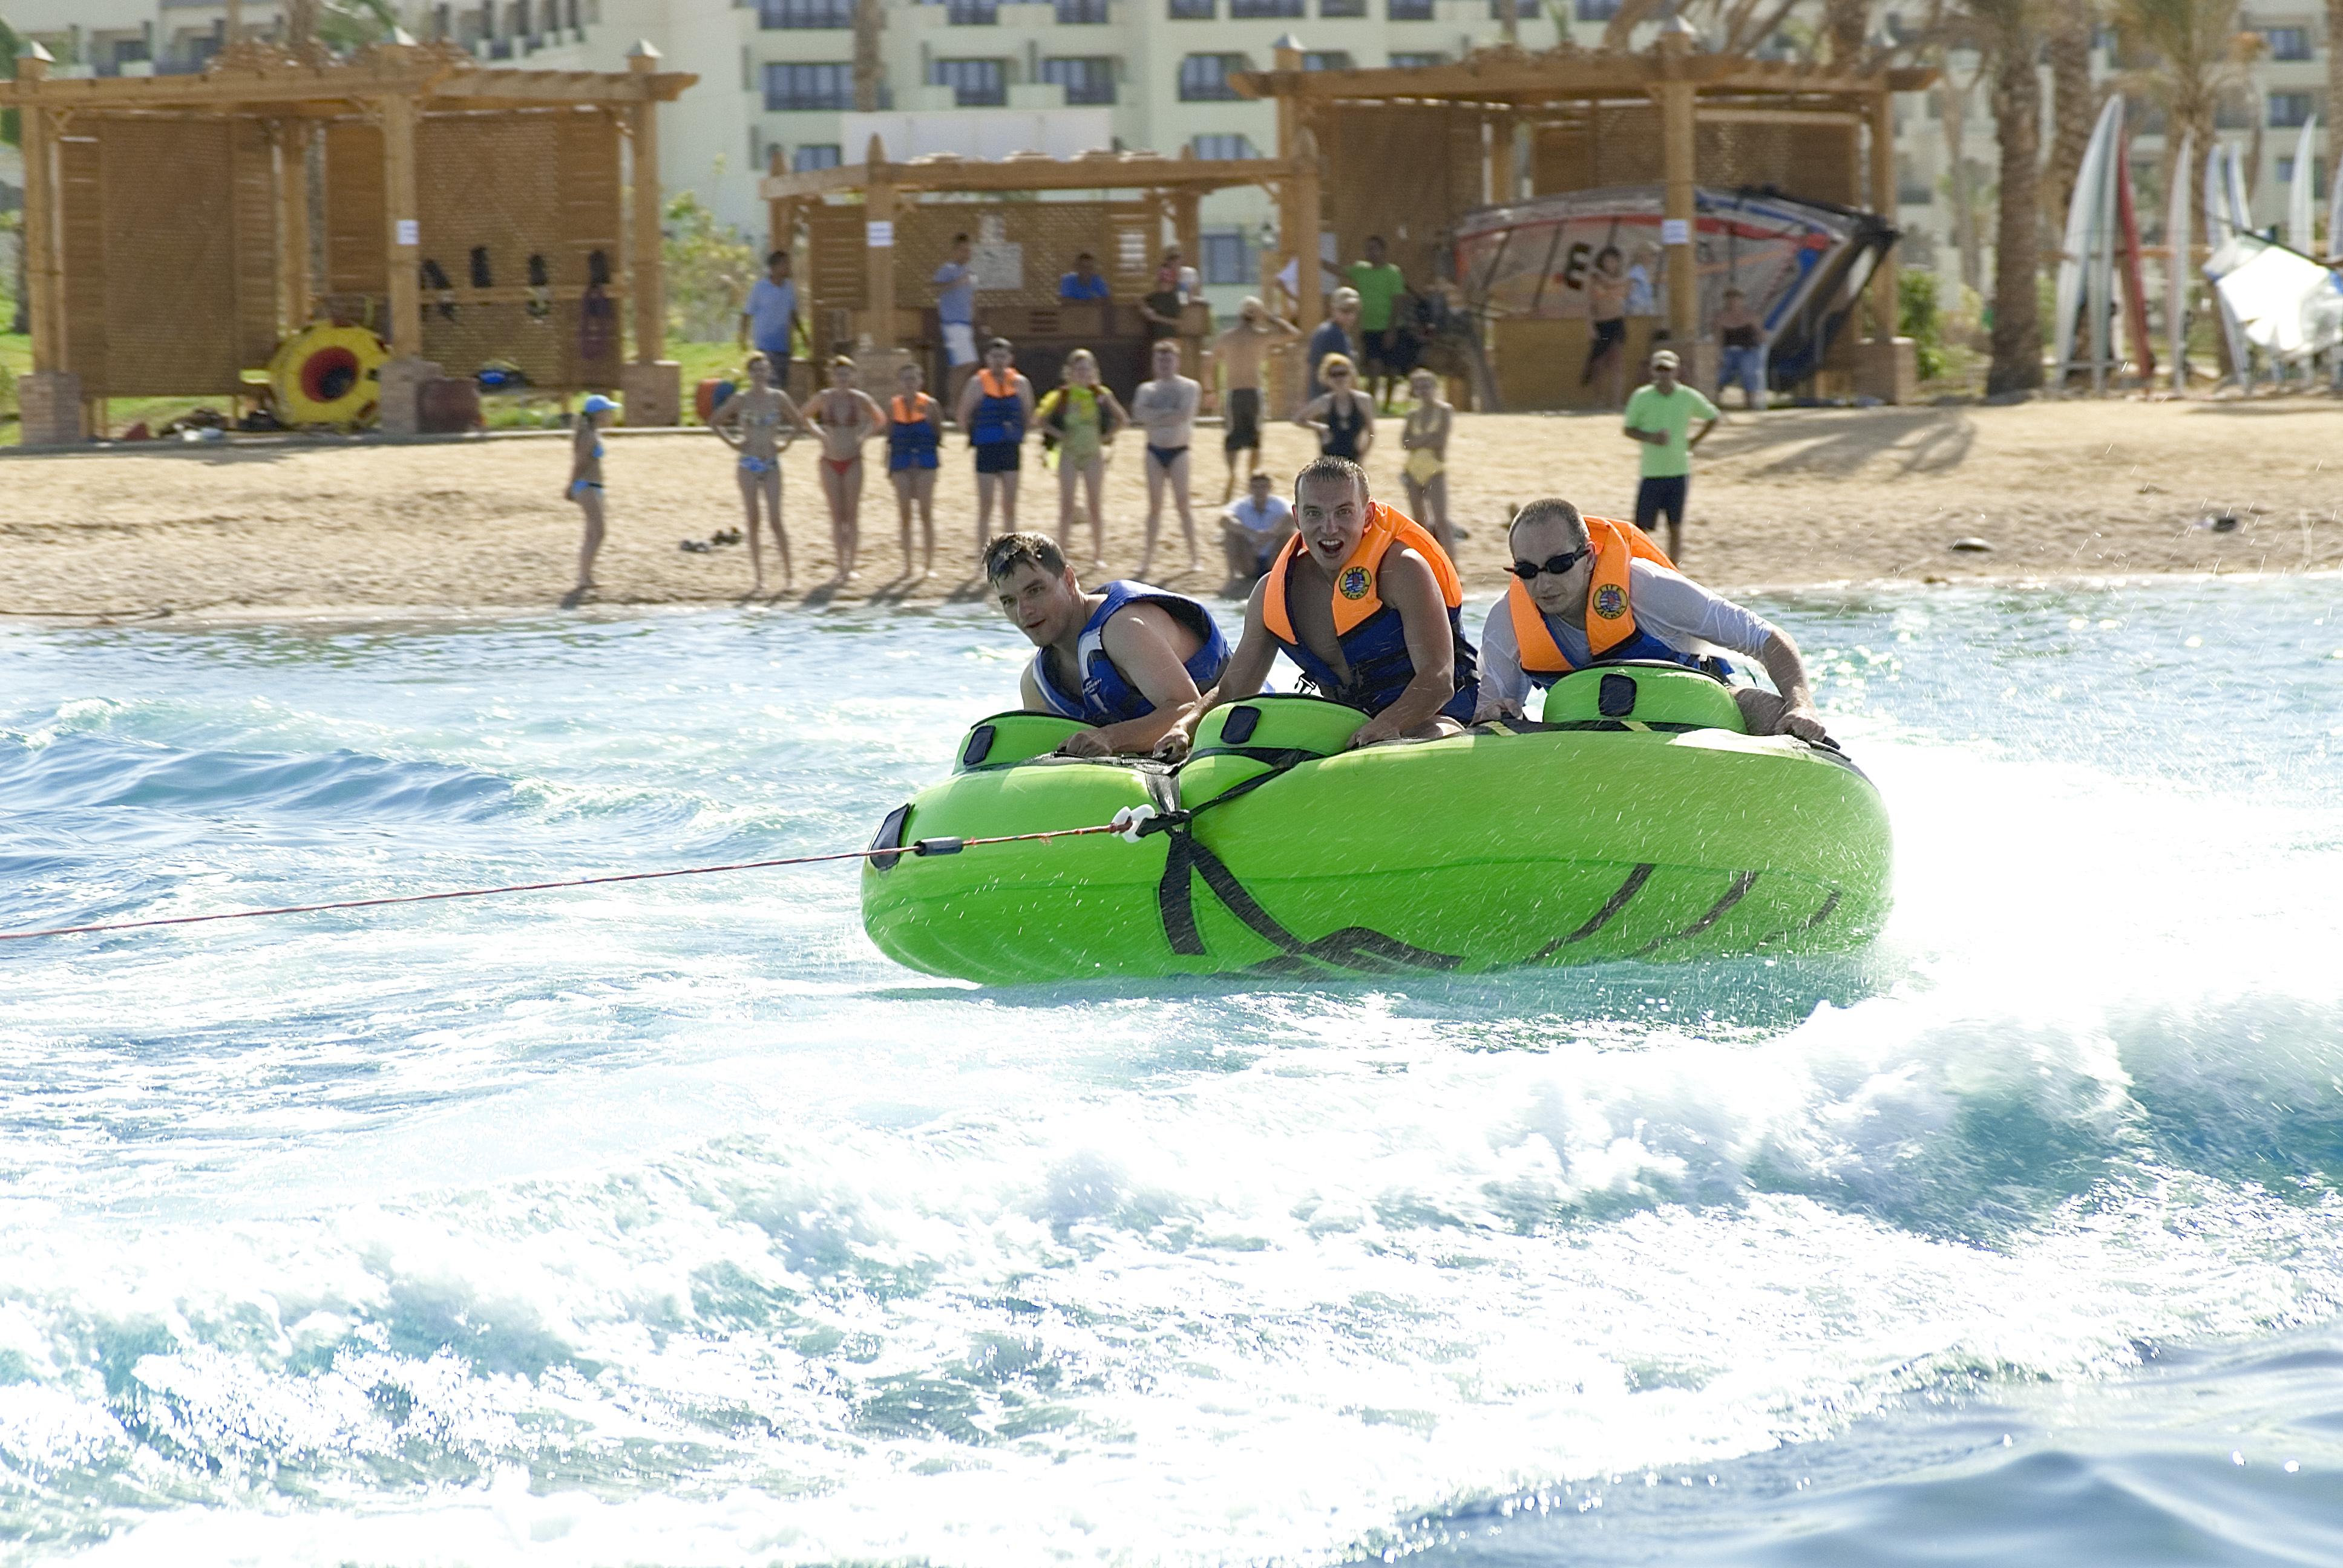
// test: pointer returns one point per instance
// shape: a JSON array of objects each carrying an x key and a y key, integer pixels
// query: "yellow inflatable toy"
[{"x": 328, "y": 375}]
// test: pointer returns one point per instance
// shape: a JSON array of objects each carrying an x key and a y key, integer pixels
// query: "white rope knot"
[{"x": 1131, "y": 821}]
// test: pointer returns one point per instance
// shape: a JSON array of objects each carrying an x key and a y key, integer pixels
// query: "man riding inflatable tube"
[
  {"x": 1366, "y": 603},
  {"x": 1591, "y": 590},
  {"x": 1128, "y": 658}
]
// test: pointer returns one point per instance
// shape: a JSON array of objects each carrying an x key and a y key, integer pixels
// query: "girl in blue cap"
[{"x": 585, "y": 486}]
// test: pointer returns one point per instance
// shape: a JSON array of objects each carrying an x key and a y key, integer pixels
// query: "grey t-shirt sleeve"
[
  {"x": 1690, "y": 617},
  {"x": 1504, "y": 688}
]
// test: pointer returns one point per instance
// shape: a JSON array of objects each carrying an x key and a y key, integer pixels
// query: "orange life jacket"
[
  {"x": 1610, "y": 608},
  {"x": 1001, "y": 386},
  {"x": 1374, "y": 639},
  {"x": 913, "y": 412}
]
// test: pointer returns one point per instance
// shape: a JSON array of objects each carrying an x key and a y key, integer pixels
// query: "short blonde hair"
[
  {"x": 761, "y": 357},
  {"x": 1334, "y": 362}
]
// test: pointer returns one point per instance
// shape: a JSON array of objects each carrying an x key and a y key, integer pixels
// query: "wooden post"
[
  {"x": 293, "y": 224},
  {"x": 1302, "y": 229},
  {"x": 1186, "y": 227},
  {"x": 780, "y": 218},
  {"x": 648, "y": 282},
  {"x": 1677, "y": 163},
  {"x": 402, "y": 214},
  {"x": 1504, "y": 178},
  {"x": 1883, "y": 201},
  {"x": 233, "y": 28},
  {"x": 878, "y": 258},
  {"x": 42, "y": 281}
]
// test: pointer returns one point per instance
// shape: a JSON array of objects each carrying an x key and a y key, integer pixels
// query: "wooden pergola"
[
  {"x": 255, "y": 115},
  {"x": 1505, "y": 88},
  {"x": 1167, "y": 192}
]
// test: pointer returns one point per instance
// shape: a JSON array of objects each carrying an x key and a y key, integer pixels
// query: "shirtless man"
[
  {"x": 750, "y": 422},
  {"x": 847, "y": 417},
  {"x": 1243, "y": 353},
  {"x": 1165, "y": 410}
]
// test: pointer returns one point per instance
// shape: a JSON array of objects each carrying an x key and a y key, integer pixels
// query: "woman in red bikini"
[{"x": 845, "y": 416}]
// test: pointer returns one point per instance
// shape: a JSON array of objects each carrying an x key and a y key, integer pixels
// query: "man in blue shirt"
[
  {"x": 1084, "y": 282},
  {"x": 769, "y": 318},
  {"x": 955, "y": 283}
]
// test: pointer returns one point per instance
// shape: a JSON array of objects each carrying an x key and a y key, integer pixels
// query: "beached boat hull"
[{"x": 1642, "y": 834}]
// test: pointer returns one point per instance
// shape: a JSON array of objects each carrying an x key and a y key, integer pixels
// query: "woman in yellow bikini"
[
  {"x": 847, "y": 417},
  {"x": 758, "y": 422},
  {"x": 1084, "y": 416},
  {"x": 1423, "y": 437}
]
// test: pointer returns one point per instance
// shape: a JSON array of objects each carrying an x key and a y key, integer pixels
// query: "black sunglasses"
[{"x": 1528, "y": 570}]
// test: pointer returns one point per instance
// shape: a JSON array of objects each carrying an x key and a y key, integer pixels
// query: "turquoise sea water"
[{"x": 669, "y": 1224}]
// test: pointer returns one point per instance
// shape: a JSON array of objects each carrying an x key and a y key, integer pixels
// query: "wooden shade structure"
[
  {"x": 1421, "y": 145},
  {"x": 172, "y": 239},
  {"x": 857, "y": 216}
]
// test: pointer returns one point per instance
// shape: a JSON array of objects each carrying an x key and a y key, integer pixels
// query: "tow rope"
[{"x": 938, "y": 846}]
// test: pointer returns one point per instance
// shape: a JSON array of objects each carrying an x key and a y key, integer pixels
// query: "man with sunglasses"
[
  {"x": 1366, "y": 603},
  {"x": 1588, "y": 590}
]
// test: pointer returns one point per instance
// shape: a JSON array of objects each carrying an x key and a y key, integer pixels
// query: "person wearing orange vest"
[
  {"x": 1592, "y": 590},
  {"x": 995, "y": 405},
  {"x": 1367, "y": 604}
]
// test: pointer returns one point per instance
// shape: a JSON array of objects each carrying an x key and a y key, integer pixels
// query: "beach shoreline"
[{"x": 1791, "y": 499}]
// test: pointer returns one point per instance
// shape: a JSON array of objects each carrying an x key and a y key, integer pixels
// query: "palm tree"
[
  {"x": 2187, "y": 57},
  {"x": 2009, "y": 33},
  {"x": 867, "y": 20},
  {"x": 2073, "y": 107}
]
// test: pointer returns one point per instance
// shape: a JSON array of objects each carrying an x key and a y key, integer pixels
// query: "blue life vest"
[
  {"x": 911, "y": 434},
  {"x": 1106, "y": 695},
  {"x": 1372, "y": 634},
  {"x": 999, "y": 418}
]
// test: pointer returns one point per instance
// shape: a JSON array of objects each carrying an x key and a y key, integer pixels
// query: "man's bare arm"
[
  {"x": 1139, "y": 640},
  {"x": 1243, "y": 676},
  {"x": 1409, "y": 586}
]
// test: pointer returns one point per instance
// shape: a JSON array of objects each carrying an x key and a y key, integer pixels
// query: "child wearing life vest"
[{"x": 995, "y": 408}]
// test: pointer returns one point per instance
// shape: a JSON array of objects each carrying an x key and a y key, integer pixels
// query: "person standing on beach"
[
  {"x": 1423, "y": 437},
  {"x": 1335, "y": 335},
  {"x": 750, "y": 422},
  {"x": 585, "y": 486},
  {"x": 1165, "y": 408},
  {"x": 1741, "y": 336},
  {"x": 995, "y": 405},
  {"x": 1606, "y": 319},
  {"x": 1658, "y": 415},
  {"x": 846, "y": 417},
  {"x": 1242, "y": 351},
  {"x": 769, "y": 319},
  {"x": 955, "y": 283},
  {"x": 1084, "y": 416},
  {"x": 915, "y": 431},
  {"x": 1343, "y": 417},
  {"x": 1380, "y": 285}
]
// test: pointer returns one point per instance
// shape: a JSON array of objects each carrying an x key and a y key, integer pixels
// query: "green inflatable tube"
[{"x": 1637, "y": 819}]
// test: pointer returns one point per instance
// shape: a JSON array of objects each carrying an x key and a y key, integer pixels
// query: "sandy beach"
[{"x": 1784, "y": 499}]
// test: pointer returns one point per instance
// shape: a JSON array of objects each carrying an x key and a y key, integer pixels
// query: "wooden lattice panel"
[
  {"x": 1404, "y": 173},
  {"x": 1620, "y": 146},
  {"x": 253, "y": 179},
  {"x": 355, "y": 226},
  {"x": 82, "y": 231},
  {"x": 1047, "y": 235},
  {"x": 166, "y": 296}
]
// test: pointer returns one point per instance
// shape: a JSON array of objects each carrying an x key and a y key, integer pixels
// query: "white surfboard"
[
  {"x": 2086, "y": 223},
  {"x": 2298, "y": 207},
  {"x": 2225, "y": 214},
  {"x": 2176, "y": 275}
]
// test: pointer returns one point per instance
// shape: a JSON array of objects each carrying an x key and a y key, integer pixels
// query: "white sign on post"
[
  {"x": 411, "y": 231},
  {"x": 879, "y": 234},
  {"x": 1675, "y": 231}
]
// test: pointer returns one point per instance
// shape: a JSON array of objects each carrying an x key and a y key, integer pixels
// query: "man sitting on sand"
[
  {"x": 1130, "y": 658},
  {"x": 1588, "y": 590},
  {"x": 1254, "y": 529},
  {"x": 1366, "y": 603}
]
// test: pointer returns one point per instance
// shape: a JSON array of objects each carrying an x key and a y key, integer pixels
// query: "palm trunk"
[
  {"x": 1844, "y": 23},
  {"x": 2334, "y": 110},
  {"x": 1953, "y": 99},
  {"x": 2072, "y": 107},
  {"x": 2017, "y": 247},
  {"x": 1509, "y": 20}
]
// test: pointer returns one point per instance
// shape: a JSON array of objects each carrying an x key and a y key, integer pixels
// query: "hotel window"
[
  {"x": 1410, "y": 11},
  {"x": 794, "y": 14},
  {"x": 1257, "y": 9},
  {"x": 2288, "y": 110},
  {"x": 2288, "y": 43},
  {"x": 972, "y": 13},
  {"x": 1082, "y": 13},
  {"x": 1596, "y": 10},
  {"x": 796, "y": 86},
  {"x": 1087, "y": 79},
  {"x": 1413, "y": 59},
  {"x": 1222, "y": 149},
  {"x": 1225, "y": 260},
  {"x": 1326, "y": 60},
  {"x": 1191, "y": 10},
  {"x": 1342, "y": 8},
  {"x": 975, "y": 83},
  {"x": 1204, "y": 78},
  {"x": 815, "y": 155}
]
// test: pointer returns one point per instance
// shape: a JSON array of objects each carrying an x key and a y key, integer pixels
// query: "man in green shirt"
[
  {"x": 1658, "y": 415},
  {"x": 1380, "y": 287}
]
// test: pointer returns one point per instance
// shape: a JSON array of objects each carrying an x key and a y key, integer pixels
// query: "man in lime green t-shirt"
[
  {"x": 1381, "y": 286},
  {"x": 1658, "y": 415}
]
